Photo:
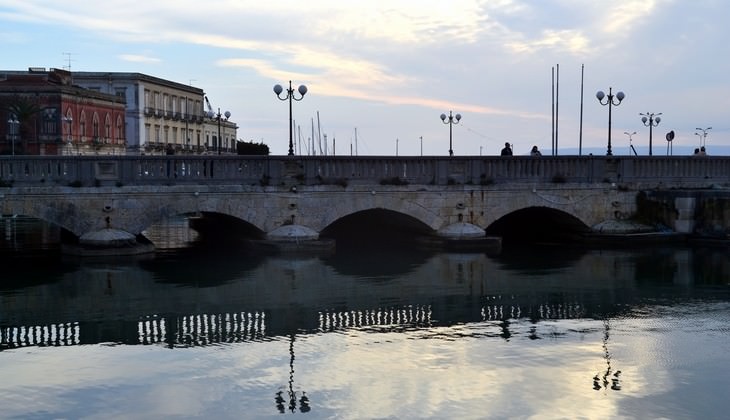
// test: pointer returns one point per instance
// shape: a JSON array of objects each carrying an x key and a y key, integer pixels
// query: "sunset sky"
[{"x": 386, "y": 70}]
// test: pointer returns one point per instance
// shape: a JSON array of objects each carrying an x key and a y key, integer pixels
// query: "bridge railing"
[{"x": 312, "y": 170}]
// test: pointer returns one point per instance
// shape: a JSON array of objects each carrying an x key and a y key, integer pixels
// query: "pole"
[
  {"x": 451, "y": 150},
  {"x": 557, "y": 100},
  {"x": 610, "y": 105},
  {"x": 219, "y": 131},
  {"x": 580, "y": 130},
  {"x": 651, "y": 124},
  {"x": 291, "y": 139},
  {"x": 552, "y": 114}
]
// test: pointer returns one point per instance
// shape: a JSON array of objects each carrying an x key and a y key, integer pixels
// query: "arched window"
[
  {"x": 107, "y": 128},
  {"x": 68, "y": 120},
  {"x": 82, "y": 127},
  {"x": 120, "y": 130},
  {"x": 95, "y": 126}
]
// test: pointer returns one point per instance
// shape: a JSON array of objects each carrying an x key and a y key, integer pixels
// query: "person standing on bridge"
[
  {"x": 507, "y": 150},
  {"x": 535, "y": 151}
]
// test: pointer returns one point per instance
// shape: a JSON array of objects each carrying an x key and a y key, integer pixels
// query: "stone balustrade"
[{"x": 672, "y": 171}]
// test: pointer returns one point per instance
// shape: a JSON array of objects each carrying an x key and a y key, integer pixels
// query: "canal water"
[{"x": 389, "y": 331}]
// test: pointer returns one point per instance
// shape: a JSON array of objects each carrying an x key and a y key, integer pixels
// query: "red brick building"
[{"x": 44, "y": 113}]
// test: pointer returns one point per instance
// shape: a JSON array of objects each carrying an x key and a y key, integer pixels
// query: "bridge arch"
[
  {"x": 373, "y": 224},
  {"x": 396, "y": 204},
  {"x": 537, "y": 223}
]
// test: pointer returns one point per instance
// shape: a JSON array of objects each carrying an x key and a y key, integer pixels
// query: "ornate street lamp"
[
  {"x": 704, "y": 134},
  {"x": 452, "y": 119},
  {"x": 610, "y": 102},
  {"x": 14, "y": 125},
  {"x": 289, "y": 96},
  {"x": 650, "y": 120},
  {"x": 218, "y": 116}
]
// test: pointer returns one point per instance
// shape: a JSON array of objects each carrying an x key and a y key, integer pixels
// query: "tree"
[
  {"x": 251, "y": 148},
  {"x": 25, "y": 111}
]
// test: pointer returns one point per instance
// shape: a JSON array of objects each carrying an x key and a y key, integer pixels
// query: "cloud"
[{"x": 139, "y": 58}]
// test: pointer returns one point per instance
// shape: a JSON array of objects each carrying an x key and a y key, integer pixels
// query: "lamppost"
[
  {"x": 610, "y": 102},
  {"x": 704, "y": 134},
  {"x": 69, "y": 120},
  {"x": 14, "y": 125},
  {"x": 451, "y": 123},
  {"x": 650, "y": 120},
  {"x": 289, "y": 96},
  {"x": 631, "y": 145},
  {"x": 211, "y": 114}
]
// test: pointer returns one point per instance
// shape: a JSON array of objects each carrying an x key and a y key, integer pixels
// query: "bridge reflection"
[{"x": 193, "y": 330}]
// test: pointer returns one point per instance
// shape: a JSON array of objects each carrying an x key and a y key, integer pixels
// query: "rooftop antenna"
[{"x": 68, "y": 60}]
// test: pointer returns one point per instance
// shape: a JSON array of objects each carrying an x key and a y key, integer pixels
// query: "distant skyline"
[{"x": 388, "y": 69}]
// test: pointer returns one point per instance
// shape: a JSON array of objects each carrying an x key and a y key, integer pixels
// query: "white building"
[{"x": 162, "y": 114}]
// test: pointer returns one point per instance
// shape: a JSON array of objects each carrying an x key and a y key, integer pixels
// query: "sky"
[{"x": 379, "y": 73}]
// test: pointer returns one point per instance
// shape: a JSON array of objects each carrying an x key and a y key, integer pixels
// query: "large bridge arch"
[
  {"x": 537, "y": 223},
  {"x": 407, "y": 204},
  {"x": 376, "y": 223}
]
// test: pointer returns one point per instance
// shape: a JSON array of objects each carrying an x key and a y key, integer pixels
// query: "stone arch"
[
  {"x": 397, "y": 220},
  {"x": 536, "y": 222},
  {"x": 396, "y": 203},
  {"x": 155, "y": 212}
]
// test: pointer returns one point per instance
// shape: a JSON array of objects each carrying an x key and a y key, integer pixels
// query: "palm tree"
[{"x": 25, "y": 112}]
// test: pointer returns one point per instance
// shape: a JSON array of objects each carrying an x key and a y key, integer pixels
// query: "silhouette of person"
[
  {"x": 507, "y": 151},
  {"x": 535, "y": 151},
  {"x": 703, "y": 152},
  {"x": 697, "y": 151}
]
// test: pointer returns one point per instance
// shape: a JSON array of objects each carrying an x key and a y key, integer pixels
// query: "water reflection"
[
  {"x": 601, "y": 381},
  {"x": 308, "y": 335},
  {"x": 196, "y": 299},
  {"x": 302, "y": 402}
]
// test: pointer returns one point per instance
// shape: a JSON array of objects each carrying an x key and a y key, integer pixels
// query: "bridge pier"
[
  {"x": 107, "y": 242},
  {"x": 298, "y": 238},
  {"x": 464, "y": 235}
]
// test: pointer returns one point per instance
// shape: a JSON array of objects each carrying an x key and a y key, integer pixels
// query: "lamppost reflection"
[
  {"x": 650, "y": 120},
  {"x": 452, "y": 119},
  {"x": 289, "y": 96},
  {"x": 611, "y": 103},
  {"x": 303, "y": 401},
  {"x": 602, "y": 381}
]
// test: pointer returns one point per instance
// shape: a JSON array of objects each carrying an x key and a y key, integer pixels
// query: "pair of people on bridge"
[{"x": 507, "y": 150}]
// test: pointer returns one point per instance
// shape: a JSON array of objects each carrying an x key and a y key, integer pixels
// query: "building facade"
[
  {"x": 162, "y": 116},
  {"x": 44, "y": 113}
]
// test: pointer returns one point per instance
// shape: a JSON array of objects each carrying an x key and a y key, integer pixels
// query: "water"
[{"x": 553, "y": 332}]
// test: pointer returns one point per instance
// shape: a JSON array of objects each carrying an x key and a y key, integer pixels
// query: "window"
[
  {"x": 82, "y": 126},
  {"x": 50, "y": 121},
  {"x": 95, "y": 126},
  {"x": 107, "y": 127},
  {"x": 120, "y": 130}
]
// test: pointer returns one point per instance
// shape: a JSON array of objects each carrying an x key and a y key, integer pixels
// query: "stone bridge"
[{"x": 109, "y": 200}]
